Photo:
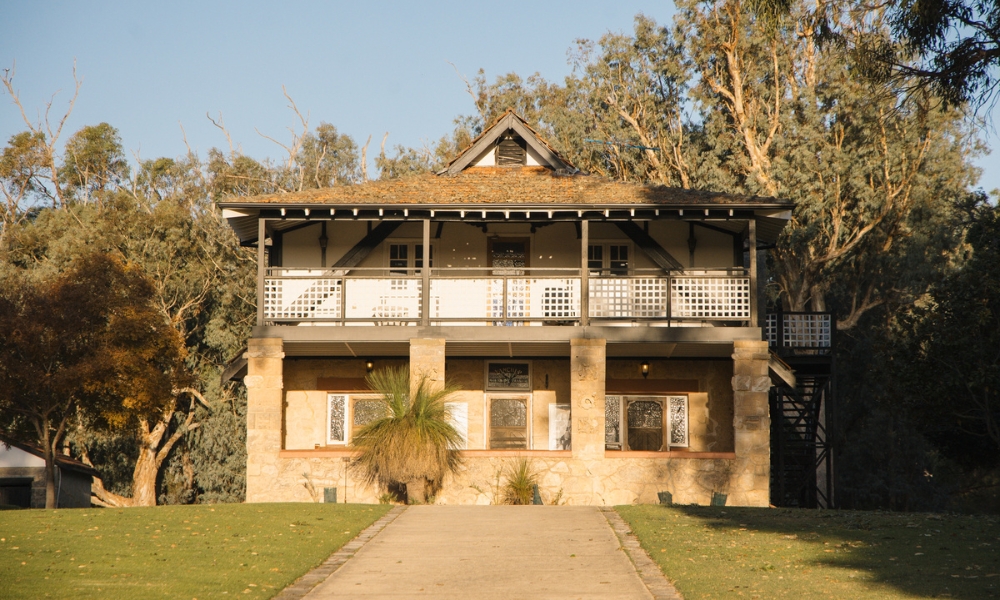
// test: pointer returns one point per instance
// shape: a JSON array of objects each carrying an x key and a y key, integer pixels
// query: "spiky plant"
[
  {"x": 521, "y": 481},
  {"x": 411, "y": 445}
]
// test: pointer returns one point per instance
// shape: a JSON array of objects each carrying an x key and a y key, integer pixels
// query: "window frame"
[
  {"x": 411, "y": 246},
  {"x": 606, "y": 268},
  {"x": 666, "y": 401},
  {"x": 350, "y": 399},
  {"x": 489, "y": 398},
  {"x": 486, "y": 376}
]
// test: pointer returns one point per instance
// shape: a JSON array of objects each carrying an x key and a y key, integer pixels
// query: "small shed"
[{"x": 22, "y": 478}]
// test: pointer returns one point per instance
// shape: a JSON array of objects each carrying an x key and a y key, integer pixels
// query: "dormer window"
[{"x": 511, "y": 151}]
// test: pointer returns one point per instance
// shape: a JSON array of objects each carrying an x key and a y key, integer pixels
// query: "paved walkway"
[{"x": 489, "y": 552}]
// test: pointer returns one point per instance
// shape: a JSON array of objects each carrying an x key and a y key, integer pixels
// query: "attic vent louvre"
[{"x": 511, "y": 152}]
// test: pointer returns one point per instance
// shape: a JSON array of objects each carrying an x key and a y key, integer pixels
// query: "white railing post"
[
  {"x": 261, "y": 270},
  {"x": 425, "y": 290},
  {"x": 753, "y": 271},
  {"x": 584, "y": 274}
]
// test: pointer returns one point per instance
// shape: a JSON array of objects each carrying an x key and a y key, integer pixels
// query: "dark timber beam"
[
  {"x": 651, "y": 247},
  {"x": 362, "y": 249}
]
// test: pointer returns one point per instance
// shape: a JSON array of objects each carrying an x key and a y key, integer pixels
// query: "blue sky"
[{"x": 365, "y": 67}]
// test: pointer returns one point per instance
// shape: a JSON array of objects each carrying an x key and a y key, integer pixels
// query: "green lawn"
[
  {"x": 203, "y": 551},
  {"x": 803, "y": 554}
]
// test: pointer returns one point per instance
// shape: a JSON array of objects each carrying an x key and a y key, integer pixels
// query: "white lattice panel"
[
  {"x": 302, "y": 298},
  {"x": 534, "y": 298},
  {"x": 388, "y": 299},
  {"x": 628, "y": 297},
  {"x": 560, "y": 298},
  {"x": 710, "y": 297},
  {"x": 806, "y": 331},
  {"x": 771, "y": 329},
  {"x": 462, "y": 298}
]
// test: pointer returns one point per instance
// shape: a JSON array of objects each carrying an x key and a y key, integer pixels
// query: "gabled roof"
[
  {"x": 509, "y": 121},
  {"x": 550, "y": 186}
]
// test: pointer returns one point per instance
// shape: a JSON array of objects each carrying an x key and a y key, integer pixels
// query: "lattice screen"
[
  {"x": 302, "y": 298},
  {"x": 559, "y": 299},
  {"x": 710, "y": 297},
  {"x": 388, "y": 299},
  {"x": 628, "y": 297},
  {"x": 771, "y": 329},
  {"x": 807, "y": 331}
]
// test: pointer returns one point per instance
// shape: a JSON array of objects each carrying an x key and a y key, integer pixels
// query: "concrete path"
[{"x": 488, "y": 552}]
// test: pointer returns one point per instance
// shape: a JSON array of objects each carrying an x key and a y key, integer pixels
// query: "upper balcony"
[
  {"x": 521, "y": 248},
  {"x": 507, "y": 297}
]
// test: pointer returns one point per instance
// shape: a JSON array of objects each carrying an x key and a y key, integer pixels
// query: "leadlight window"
[
  {"x": 347, "y": 413},
  {"x": 612, "y": 422},
  {"x": 508, "y": 375},
  {"x": 336, "y": 419},
  {"x": 651, "y": 423},
  {"x": 508, "y": 420},
  {"x": 365, "y": 410}
]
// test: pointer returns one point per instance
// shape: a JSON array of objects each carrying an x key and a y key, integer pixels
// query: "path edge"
[
  {"x": 649, "y": 572},
  {"x": 305, "y": 584}
]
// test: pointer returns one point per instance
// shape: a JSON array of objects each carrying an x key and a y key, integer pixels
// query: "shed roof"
[{"x": 62, "y": 461}]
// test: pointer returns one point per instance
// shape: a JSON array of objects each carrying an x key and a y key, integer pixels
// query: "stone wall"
[
  {"x": 562, "y": 479},
  {"x": 751, "y": 423},
  {"x": 738, "y": 464},
  {"x": 265, "y": 396}
]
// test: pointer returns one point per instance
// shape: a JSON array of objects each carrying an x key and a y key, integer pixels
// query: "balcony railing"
[
  {"x": 502, "y": 296},
  {"x": 806, "y": 331}
]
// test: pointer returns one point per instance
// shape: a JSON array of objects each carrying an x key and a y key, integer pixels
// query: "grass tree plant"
[
  {"x": 412, "y": 446},
  {"x": 521, "y": 481}
]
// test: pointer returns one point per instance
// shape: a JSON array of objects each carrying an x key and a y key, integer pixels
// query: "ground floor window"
[
  {"x": 346, "y": 413},
  {"x": 508, "y": 421},
  {"x": 652, "y": 423}
]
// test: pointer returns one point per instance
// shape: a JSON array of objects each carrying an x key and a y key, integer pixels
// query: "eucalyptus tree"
[{"x": 874, "y": 180}]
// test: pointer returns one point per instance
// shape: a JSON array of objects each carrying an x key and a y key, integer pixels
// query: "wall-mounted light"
[
  {"x": 369, "y": 365},
  {"x": 644, "y": 367}
]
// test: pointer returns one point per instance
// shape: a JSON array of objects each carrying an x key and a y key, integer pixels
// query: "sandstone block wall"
[
  {"x": 587, "y": 377},
  {"x": 751, "y": 423},
  {"x": 562, "y": 479},
  {"x": 265, "y": 396},
  {"x": 586, "y": 475}
]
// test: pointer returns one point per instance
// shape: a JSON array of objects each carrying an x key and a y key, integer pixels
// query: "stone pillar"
[
  {"x": 264, "y": 402},
  {"x": 427, "y": 361},
  {"x": 586, "y": 390},
  {"x": 751, "y": 477}
]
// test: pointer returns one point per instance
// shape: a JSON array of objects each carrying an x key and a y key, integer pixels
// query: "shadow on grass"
[{"x": 773, "y": 553}]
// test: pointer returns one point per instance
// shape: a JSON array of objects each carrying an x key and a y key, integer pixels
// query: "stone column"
[
  {"x": 587, "y": 378},
  {"x": 751, "y": 477},
  {"x": 264, "y": 402},
  {"x": 427, "y": 360}
]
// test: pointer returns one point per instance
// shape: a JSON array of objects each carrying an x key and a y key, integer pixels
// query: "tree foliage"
[{"x": 86, "y": 342}]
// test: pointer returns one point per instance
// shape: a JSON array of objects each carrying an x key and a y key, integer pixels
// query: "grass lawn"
[
  {"x": 787, "y": 553},
  {"x": 202, "y": 551}
]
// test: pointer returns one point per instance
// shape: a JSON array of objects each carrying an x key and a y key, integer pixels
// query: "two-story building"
[{"x": 609, "y": 331}]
